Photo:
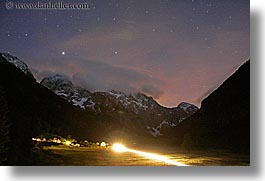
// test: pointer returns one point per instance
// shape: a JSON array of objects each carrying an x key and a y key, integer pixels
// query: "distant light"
[
  {"x": 63, "y": 53},
  {"x": 68, "y": 143},
  {"x": 117, "y": 147},
  {"x": 116, "y": 53},
  {"x": 58, "y": 141},
  {"x": 103, "y": 144}
]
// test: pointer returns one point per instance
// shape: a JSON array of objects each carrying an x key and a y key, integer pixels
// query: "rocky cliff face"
[{"x": 139, "y": 108}]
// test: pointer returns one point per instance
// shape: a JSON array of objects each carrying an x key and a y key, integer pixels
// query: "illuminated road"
[
  {"x": 119, "y": 148},
  {"x": 107, "y": 157}
]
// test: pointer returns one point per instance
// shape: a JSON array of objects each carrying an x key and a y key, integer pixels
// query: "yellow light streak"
[
  {"x": 117, "y": 147},
  {"x": 121, "y": 148}
]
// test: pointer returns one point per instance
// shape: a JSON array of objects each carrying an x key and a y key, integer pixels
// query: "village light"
[
  {"x": 103, "y": 144},
  {"x": 68, "y": 143}
]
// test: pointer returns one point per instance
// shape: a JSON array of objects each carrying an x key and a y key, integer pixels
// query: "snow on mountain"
[
  {"x": 136, "y": 107},
  {"x": 63, "y": 87},
  {"x": 81, "y": 97},
  {"x": 57, "y": 83},
  {"x": 152, "y": 115},
  {"x": 187, "y": 107},
  {"x": 135, "y": 102},
  {"x": 188, "y": 110},
  {"x": 153, "y": 131},
  {"x": 17, "y": 63}
]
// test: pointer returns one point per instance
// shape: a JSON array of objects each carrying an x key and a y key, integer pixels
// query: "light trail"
[{"x": 121, "y": 148}]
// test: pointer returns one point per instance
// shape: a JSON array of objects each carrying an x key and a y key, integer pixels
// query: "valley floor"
[{"x": 66, "y": 156}]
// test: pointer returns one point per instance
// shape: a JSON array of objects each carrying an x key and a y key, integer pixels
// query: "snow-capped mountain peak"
[
  {"x": 64, "y": 88},
  {"x": 17, "y": 63},
  {"x": 187, "y": 107},
  {"x": 128, "y": 106},
  {"x": 57, "y": 82}
]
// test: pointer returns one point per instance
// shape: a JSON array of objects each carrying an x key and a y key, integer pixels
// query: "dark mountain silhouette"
[
  {"x": 223, "y": 121},
  {"x": 27, "y": 109},
  {"x": 127, "y": 108}
]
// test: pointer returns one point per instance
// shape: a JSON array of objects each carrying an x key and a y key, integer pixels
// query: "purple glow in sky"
[{"x": 174, "y": 51}]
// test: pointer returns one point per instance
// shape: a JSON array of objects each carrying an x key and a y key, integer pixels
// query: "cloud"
[
  {"x": 40, "y": 74},
  {"x": 171, "y": 67},
  {"x": 98, "y": 76},
  {"x": 154, "y": 91}
]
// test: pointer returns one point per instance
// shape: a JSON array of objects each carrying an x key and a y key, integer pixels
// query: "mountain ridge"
[
  {"x": 113, "y": 102},
  {"x": 223, "y": 121},
  {"x": 135, "y": 113}
]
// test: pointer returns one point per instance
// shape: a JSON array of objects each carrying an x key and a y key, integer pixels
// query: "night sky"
[{"x": 173, "y": 50}]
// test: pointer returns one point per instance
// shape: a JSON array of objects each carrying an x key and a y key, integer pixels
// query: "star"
[
  {"x": 63, "y": 53},
  {"x": 116, "y": 53},
  {"x": 153, "y": 29},
  {"x": 26, "y": 34},
  {"x": 146, "y": 12}
]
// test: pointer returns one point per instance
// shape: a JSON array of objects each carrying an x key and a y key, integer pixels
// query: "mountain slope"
[
  {"x": 130, "y": 110},
  {"x": 18, "y": 63},
  {"x": 102, "y": 116},
  {"x": 29, "y": 109},
  {"x": 223, "y": 120}
]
